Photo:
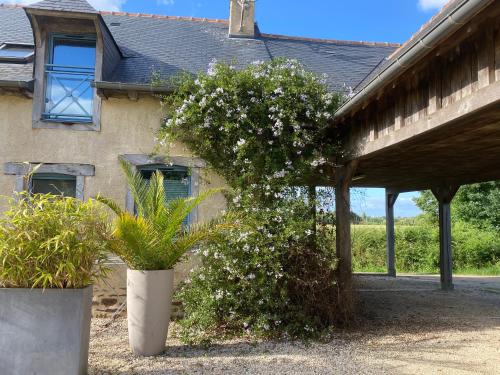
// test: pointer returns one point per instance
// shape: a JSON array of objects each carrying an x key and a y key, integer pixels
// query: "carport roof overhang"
[{"x": 463, "y": 150}]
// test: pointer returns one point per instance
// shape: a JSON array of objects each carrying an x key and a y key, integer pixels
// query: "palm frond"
[
  {"x": 110, "y": 203},
  {"x": 138, "y": 187},
  {"x": 156, "y": 238}
]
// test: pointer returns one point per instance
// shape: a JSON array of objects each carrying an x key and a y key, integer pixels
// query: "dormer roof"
[{"x": 76, "y": 6}]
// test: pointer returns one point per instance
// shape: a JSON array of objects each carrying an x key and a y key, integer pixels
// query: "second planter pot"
[{"x": 149, "y": 306}]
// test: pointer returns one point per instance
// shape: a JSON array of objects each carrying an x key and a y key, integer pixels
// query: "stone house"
[{"x": 76, "y": 92}]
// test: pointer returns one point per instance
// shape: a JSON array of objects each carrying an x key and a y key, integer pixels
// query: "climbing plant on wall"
[
  {"x": 266, "y": 126},
  {"x": 267, "y": 130}
]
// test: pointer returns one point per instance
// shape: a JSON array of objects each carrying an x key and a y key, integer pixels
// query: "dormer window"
[
  {"x": 69, "y": 72},
  {"x": 16, "y": 53}
]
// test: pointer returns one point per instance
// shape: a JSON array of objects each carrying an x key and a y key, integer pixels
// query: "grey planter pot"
[
  {"x": 149, "y": 306},
  {"x": 45, "y": 332}
]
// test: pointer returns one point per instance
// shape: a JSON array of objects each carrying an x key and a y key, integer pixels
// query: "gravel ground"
[{"x": 405, "y": 326}]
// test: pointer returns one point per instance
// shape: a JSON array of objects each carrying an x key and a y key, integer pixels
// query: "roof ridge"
[
  {"x": 178, "y": 18},
  {"x": 333, "y": 41},
  {"x": 79, "y": 6},
  {"x": 11, "y": 5}
]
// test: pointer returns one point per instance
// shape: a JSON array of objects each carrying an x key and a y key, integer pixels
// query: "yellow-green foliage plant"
[
  {"x": 156, "y": 238},
  {"x": 53, "y": 242}
]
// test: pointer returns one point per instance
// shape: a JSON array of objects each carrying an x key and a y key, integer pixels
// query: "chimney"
[{"x": 242, "y": 18}]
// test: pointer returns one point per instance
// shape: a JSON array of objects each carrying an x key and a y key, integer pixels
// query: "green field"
[{"x": 475, "y": 251}]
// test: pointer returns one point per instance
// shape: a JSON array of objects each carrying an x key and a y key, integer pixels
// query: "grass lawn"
[{"x": 476, "y": 252}]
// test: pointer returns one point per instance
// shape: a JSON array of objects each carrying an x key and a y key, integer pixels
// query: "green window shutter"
[
  {"x": 176, "y": 181},
  {"x": 176, "y": 187}
]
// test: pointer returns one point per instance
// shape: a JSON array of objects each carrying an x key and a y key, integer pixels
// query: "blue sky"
[{"x": 367, "y": 20}]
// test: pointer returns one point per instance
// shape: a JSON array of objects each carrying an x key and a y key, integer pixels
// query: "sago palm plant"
[{"x": 155, "y": 238}]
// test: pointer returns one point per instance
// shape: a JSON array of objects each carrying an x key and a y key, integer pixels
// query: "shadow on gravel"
[{"x": 416, "y": 303}]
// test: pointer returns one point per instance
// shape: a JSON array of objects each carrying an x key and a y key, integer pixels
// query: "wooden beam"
[
  {"x": 486, "y": 59},
  {"x": 444, "y": 195},
  {"x": 133, "y": 96},
  {"x": 390, "y": 200}
]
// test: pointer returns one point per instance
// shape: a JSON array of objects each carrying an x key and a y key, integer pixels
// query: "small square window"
[
  {"x": 19, "y": 53},
  {"x": 53, "y": 183}
]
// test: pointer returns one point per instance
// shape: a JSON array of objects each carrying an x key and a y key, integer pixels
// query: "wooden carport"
[{"x": 427, "y": 118}]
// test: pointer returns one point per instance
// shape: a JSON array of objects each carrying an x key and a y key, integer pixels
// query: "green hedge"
[{"x": 417, "y": 248}]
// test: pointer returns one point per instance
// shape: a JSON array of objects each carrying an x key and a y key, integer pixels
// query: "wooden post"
[
  {"x": 444, "y": 195},
  {"x": 390, "y": 200},
  {"x": 343, "y": 178}
]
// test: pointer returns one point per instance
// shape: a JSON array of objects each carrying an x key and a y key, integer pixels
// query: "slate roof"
[
  {"x": 15, "y": 28},
  {"x": 79, "y": 6},
  {"x": 168, "y": 45}
]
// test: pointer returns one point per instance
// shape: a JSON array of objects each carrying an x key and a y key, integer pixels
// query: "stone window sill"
[{"x": 77, "y": 126}]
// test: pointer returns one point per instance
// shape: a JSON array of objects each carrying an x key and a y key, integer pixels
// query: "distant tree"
[{"x": 478, "y": 204}]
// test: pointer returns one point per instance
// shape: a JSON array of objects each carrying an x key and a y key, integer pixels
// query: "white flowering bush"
[
  {"x": 263, "y": 280},
  {"x": 266, "y": 126},
  {"x": 265, "y": 129}
]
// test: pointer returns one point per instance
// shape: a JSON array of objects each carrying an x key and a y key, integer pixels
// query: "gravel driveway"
[{"x": 405, "y": 326}]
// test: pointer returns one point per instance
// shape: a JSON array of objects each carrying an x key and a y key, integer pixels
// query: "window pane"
[
  {"x": 73, "y": 52},
  {"x": 56, "y": 184},
  {"x": 69, "y": 94}
]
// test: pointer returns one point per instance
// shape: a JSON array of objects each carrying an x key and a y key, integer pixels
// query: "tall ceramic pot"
[{"x": 149, "y": 306}]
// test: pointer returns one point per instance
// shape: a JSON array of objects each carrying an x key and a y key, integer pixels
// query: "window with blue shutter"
[{"x": 177, "y": 181}]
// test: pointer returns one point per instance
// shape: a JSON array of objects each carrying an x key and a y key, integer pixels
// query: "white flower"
[
  {"x": 279, "y": 91},
  {"x": 219, "y": 294},
  {"x": 241, "y": 142},
  {"x": 318, "y": 162},
  {"x": 309, "y": 232},
  {"x": 212, "y": 68},
  {"x": 205, "y": 253},
  {"x": 280, "y": 174},
  {"x": 251, "y": 276}
]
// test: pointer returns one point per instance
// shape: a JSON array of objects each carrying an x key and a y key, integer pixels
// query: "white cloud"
[
  {"x": 431, "y": 4},
  {"x": 165, "y": 2},
  {"x": 113, "y": 5}
]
